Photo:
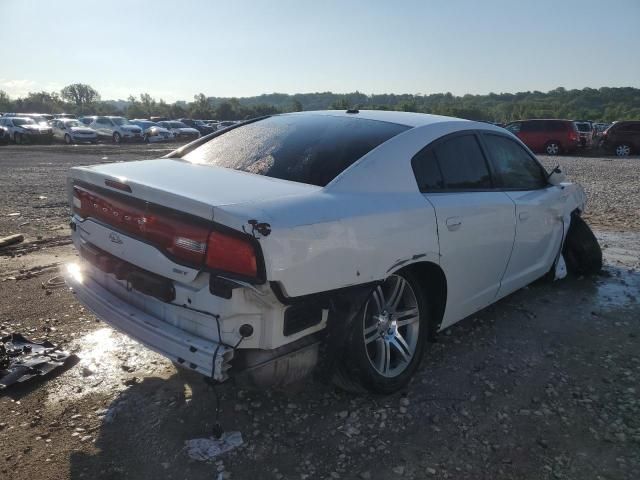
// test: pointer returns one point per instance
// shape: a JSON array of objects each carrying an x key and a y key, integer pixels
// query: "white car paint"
[{"x": 367, "y": 223}]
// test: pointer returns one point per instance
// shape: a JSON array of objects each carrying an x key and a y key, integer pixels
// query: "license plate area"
[{"x": 136, "y": 278}]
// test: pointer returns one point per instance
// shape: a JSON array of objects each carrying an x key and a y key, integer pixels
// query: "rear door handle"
[
  {"x": 523, "y": 216},
  {"x": 453, "y": 223}
]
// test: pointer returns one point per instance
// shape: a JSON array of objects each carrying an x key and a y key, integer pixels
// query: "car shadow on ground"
[{"x": 492, "y": 393}]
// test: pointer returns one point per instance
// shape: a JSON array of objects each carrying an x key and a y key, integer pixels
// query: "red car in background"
[{"x": 547, "y": 136}]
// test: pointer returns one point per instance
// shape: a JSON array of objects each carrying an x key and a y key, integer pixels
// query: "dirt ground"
[{"x": 542, "y": 385}]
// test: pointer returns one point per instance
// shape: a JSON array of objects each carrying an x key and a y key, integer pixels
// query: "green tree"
[{"x": 80, "y": 94}]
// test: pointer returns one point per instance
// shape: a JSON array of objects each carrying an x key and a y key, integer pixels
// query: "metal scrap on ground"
[
  {"x": 22, "y": 359},
  {"x": 205, "y": 449}
]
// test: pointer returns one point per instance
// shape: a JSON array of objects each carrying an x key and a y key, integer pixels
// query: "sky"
[{"x": 174, "y": 49}]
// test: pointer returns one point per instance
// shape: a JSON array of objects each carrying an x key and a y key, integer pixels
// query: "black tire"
[
  {"x": 67, "y": 139},
  {"x": 117, "y": 138},
  {"x": 582, "y": 252},
  {"x": 355, "y": 372},
  {"x": 17, "y": 138},
  {"x": 553, "y": 148}
]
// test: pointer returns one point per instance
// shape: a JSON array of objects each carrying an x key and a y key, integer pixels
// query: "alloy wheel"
[
  {"x": 391, "y": 326},
  {"x": 623, "y": 150},
  {"x": 553, "y": 149}
]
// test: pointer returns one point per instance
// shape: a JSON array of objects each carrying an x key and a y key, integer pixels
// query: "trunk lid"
[
  {"x": 187, "y": 187},
  {"x": 132, "y": 225}
]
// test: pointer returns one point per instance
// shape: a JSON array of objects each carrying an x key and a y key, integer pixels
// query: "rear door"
[
  {"x": 476, "y": 222},
  {"x": 539, "y": 210}
]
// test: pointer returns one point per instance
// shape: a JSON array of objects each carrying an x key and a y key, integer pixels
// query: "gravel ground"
[
  {"x": 612, "y": 185},
  {"x": 541, "y": 385}
]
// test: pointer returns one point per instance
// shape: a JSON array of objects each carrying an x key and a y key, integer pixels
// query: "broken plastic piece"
[
  {"x": 561, "y": 268},
  {"x": 206, "y": 449},
  {"x": 22, "y": 359}
]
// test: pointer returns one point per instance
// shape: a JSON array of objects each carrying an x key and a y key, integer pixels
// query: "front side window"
[
  {"x": 462, "y": 164},
  {"x": 120, "y": 121},
  {"x": 312, "y": 149},
  {"x": 514, "y": 167}
]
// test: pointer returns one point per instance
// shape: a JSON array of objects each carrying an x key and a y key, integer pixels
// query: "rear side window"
[
  {"x": 533, "y": 127},
  {"x": 311, "y": 149},
  {"x": 455, "y": 163},
  {"x": 513, "y": 165}
]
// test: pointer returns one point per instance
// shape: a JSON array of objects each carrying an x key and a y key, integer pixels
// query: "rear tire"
[
  {"x": 387, "y": 339},
  {"x": 552, "y": 148},
  {"x": 581, "y": 251},
  {"x": 623, "y": 150},
  {"x": 67, "y": 139}
]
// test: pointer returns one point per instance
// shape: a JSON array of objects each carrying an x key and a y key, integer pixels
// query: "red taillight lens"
[
  {"x": 231, "y": 254},
  {"x": 182, "y": 239}
]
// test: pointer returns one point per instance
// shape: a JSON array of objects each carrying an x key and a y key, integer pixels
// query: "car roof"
[{"x": 408, "y": 119}]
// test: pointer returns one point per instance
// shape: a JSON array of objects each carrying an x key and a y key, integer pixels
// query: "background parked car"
[
  {"x": 117, "y": 129},
  {"x": 4, "y": 136},
  {"x": 180, "y": 131},
  {"x": 225, "y": 124},
  {"x": 622, "y": 138},
  {"x": 585, "y": 132},
  {"x": 152, "y": 132},
  {"x": 199, "y": 125},
  {"x": 64, "y": 115},
  {"x": 548, "y": 136},
  {"x": 73, "y": 131},
  {"x": 24, "y": 129}
]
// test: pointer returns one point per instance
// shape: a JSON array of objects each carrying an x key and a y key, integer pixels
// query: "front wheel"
[
  {"x": 67, "y": 139},
  {"x": 387, "y": 339},
  {"x": 623, "y": 150},
  {"x": 117, "y": 138},
  {"x": 581, "y": 249},
  {"x": 552, "y": 148}
]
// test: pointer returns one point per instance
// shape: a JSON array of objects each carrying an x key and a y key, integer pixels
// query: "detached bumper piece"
[
  {"x": 22, "y": 359},
  {"x": 195, "y": 353}
]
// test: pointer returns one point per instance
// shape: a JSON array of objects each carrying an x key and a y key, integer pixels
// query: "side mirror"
[{"x": 556, "y": 177}]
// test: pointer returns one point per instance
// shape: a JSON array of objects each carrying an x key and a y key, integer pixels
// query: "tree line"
[{"x": 602, "y": 104}]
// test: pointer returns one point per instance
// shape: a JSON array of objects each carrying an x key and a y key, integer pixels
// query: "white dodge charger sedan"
[{"x": 342, "y": 241}]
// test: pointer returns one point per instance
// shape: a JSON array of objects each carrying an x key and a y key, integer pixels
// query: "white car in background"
[
  {"x": 25, "y": 129},
  {"x": 152, "y": 132},
  {"x": 117, "y": 129},
  {"x": 363, "y": 231},
  {"x": 73, "y": 131},
  {"x": 180, "y": 131}
]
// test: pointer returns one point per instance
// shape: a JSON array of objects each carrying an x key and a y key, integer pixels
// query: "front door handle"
[
  {"x": 523, "y": 216},
  {"x": 453, "y": 223}
]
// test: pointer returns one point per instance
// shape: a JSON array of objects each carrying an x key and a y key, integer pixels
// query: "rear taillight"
[
  {"x": 183, "y": 238},
  {"x": 230, "y": 253},
  {"x": 573, "y": 135}
]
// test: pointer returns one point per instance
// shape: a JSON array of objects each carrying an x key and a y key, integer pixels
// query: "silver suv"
[{"x": 118, "y": 129}]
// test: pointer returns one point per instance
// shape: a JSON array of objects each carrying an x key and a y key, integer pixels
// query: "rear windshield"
[
  {"x": 583, "y": 127},
  {"x": 311, "y": 149}
]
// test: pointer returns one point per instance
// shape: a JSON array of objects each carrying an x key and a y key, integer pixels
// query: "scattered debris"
[
  {"x": 205, "y": 449},
  {"x": 22, "y": 359},
  {"x": 14, "y": 214},
  {"x": 11, "y": 240}
]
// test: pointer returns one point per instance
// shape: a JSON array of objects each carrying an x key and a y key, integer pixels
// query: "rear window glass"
[{"x": 311, "y": 149}]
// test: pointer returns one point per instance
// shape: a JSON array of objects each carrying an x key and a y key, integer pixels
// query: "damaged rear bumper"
[{"x": 196, "y": 353}]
